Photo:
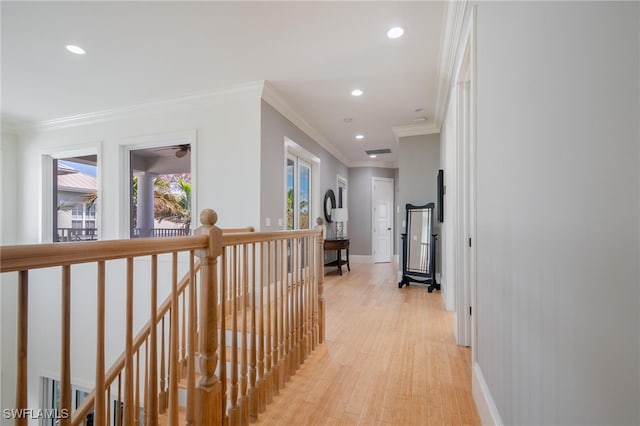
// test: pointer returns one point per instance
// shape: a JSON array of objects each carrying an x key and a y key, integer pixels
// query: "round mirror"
[{"x": 329, "y": 204}]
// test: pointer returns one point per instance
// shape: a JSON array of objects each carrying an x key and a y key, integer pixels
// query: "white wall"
[
  {"x": 558, "y": 283},
  {"x": 448, "y": 153},
  {"x": 228, "y": 180},
  {"x": 8, "y": 235},
  {"x": 418, "y": 161}
]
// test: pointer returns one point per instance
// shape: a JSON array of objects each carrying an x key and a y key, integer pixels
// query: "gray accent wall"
[
  {"x": 419, "y": 161},
  {"x": 360, "y": 207},
  {"x": 274, "y": 127},
  {"x": 558, "y": 238}
]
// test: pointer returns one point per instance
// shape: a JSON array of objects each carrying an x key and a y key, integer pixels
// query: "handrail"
[
  {"x": 270, "y": 281},
  {"x": 35, "y": 256}
]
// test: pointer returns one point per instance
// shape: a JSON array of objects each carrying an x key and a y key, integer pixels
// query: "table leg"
[{"x": 340, "y": 261}]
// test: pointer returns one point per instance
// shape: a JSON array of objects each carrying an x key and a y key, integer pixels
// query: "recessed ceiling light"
[
  {"x": 395, "y": 32},
  {"x": 372, "y": 156},
  {"x": 75, "y": 49},
  {"x": 356, "y": 92},
  {"x": 359, "y": 136}
]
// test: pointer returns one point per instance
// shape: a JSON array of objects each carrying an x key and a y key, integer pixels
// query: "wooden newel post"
[
  {"x": 209, "y": 389},
  {"x": 320, "y": 278}
]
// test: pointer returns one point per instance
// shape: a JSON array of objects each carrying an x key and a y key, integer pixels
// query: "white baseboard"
[
  {"x": 358, "y": 258},
  {"x": 396, "y": 258},
  {"x": 487, "y": 409}
]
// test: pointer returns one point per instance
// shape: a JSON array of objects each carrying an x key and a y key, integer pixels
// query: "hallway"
[{"x": 389, "y": 357}]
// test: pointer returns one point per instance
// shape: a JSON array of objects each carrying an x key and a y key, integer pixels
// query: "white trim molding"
[
  {"x": 184, "y": 102},
  {"x": 454, "y": 15},
  {"x": 485, "y": 404},
  {"x": 414, "y": 130},
  {"x": 273, "y": 98}
]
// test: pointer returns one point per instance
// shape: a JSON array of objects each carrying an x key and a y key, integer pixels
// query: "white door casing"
[{"x": 382, "y": 219}]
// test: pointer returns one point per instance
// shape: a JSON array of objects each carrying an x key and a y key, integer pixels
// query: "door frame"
[
  {"x": 464, "y": 95},
  {"x": 375, "y": 179}
]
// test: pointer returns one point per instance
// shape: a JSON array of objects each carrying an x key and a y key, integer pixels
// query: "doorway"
[{"x": 382, "y": 219}]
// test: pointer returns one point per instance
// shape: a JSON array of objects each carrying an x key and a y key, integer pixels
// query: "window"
[
  {"x": 75, "y": 193},
  {"x": 298, "y": 193},
  {"x": 51, "y": 400},
  {"x": 160, "y": 191}
]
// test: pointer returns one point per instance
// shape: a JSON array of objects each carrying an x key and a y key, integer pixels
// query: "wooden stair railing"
[{"x": 258, "y": 314}]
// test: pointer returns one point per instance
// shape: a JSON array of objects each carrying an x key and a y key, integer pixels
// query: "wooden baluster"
[
  {"x": 223, "y": 327},
  {"x": 262, "y": 401},
  {"x": 233, "y": 411},
  {"x": 253, "y": 397},
  {"x": 283, "y": 306},
  {"x": 319, "y": 284},
  {"x": 100, "y": 313},
  {"x": 136, "y": 398},
  {"x": 287, "y": 311},
  {"x": 310, "y": 272},
  {"x": 244, "y": 401},
  {"x": 303, "y": 250},
  {"x": 23, "y": 340},
  {"x": 65, "y": 347},
  {"x": 210, "y": 409},
  {"x": 276, "y": 352},
  {"x": 183, "y": 341},
  {"x": 119, "y": 407},
  {"x": 162, "y": 397},
  {"x": 128, "y": 353},
  {"x": 107, "y": 418},
  {"x": 174, "y": 372},
  {"x": 269, "y": 333},
  {"x": 191, "y": 370},
  {"x": 145, "y": 396},
  {"x": 152, "y": 378},
  {"x": 304, "y": 303},
  {"x": 314, "y": 292},
  {"x": 293, "y": 306}
]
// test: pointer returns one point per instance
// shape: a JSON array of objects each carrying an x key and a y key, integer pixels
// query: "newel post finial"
[{"x": 209, "y": 395}]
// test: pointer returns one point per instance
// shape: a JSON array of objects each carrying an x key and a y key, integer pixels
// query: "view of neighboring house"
[{"x": 76, "y": 211}]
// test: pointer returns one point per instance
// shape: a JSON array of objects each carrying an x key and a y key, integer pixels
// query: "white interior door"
[{"x": 382, "y": 219}]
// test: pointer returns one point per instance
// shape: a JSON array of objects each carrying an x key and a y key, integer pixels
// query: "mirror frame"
[
  {"x": 329, "y": 204},
  {"x": 418, "y": 277}
]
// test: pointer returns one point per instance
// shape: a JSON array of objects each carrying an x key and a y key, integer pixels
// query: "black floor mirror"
[{"x": 419, "y": 247}]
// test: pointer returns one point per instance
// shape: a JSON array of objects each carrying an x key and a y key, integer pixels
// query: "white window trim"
[
  {"x": 59, "y": 153},
  {"x": 154, "y": 141},
  {"x": 292, "y": 148}
]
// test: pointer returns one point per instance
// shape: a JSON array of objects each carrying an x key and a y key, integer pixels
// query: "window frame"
[
  {"x": 297, "y": 153},
  {"x": 158, "y": 140},
  {"x": 49, "y": 157}
]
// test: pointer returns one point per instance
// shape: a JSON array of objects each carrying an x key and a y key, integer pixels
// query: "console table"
[{"x": 338, "y": 244}]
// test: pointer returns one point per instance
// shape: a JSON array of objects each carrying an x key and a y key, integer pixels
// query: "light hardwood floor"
[{"x": 389, "y": 358}]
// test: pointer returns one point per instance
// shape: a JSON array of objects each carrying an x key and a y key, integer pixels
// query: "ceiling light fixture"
[
  {"x": 356, "y": 92},
  {"x": 372, "y": 156},
  {"x": 359, "y": 136},
  {"x": 75, "y": 49},
  {"x": 395, "y": 32}
]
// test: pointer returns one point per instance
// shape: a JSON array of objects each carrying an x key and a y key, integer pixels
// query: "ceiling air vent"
[{"x": 378, "y": 151}]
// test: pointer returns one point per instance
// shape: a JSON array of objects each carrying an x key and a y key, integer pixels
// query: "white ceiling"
[{"x": 312, "y": 53}]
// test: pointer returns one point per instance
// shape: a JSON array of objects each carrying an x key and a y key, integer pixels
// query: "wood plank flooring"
[{"x": 389, "y": 358}]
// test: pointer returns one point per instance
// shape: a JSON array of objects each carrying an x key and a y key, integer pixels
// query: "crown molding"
[
  {"x": 454, "y": 16},
  {"x": 184, "y": 102},
  {"x": 376, "y": 164},
  {"x": 414, "y": 130},
  {"x": 273, "y": 98}
]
